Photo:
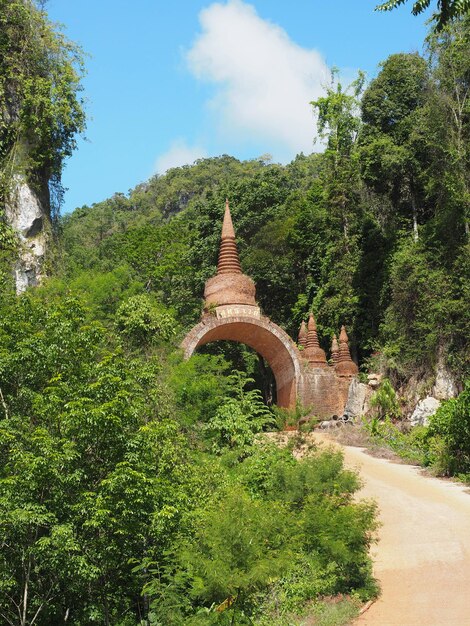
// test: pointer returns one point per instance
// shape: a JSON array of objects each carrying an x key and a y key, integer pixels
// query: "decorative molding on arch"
[{"x": 261, "y": 334}]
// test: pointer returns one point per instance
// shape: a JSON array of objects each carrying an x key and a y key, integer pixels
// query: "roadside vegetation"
[
  {"x": 442, "y": 446},
  {"x": 133, "y": 490}
]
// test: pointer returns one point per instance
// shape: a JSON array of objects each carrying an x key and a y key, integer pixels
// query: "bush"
[
  {"x": 240, "y": 418},
  {"x": 277, "y": 535},
  {"x": 449, "y": 432},
  {"x": 143, "y": 321},
  {"x": 385, "y": 401}
]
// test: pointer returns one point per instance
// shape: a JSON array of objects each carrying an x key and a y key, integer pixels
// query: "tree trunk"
[{"x": 415, "y": 217}]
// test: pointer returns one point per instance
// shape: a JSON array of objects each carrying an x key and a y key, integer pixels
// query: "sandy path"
[{"x": 422, "y": 558}]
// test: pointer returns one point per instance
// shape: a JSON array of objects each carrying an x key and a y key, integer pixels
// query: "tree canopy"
[{"x": 447, "y": 10}]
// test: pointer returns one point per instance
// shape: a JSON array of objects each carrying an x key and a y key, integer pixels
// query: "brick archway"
[
  {"x": 259, "y": 333},
  {"x": 232, "y": 313}
]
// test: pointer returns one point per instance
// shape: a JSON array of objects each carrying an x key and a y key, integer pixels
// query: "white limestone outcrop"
[
  {"x": 423, "y": 411},
  {"x": 27, "y": 216}
]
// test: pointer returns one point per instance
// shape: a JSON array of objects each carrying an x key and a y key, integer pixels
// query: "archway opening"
[
  {"x": 242, "y": 358},
  {"x": 265, "y": 337}
]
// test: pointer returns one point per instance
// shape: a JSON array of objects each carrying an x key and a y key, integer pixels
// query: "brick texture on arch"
[{"x": 267, "y": 338}]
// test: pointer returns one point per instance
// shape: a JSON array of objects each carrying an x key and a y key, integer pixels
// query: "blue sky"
[{"x": 169, "y": 82}]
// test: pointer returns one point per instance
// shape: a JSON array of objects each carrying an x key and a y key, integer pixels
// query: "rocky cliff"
[{"x": 27, "y": 212}]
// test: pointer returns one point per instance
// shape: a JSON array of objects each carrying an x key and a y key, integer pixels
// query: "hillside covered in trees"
[
  {"x": 135, "y": 487},
  {"x": 372, "y": 233}
]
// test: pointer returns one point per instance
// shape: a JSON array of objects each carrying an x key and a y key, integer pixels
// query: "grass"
[{"x": 332, "y": 611}]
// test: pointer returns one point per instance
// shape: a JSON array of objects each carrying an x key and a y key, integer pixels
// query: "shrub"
[
  {"x": 449, "y": 432},
  {"x": 240, "y": 418},
  {"x": 143, "y": 321},
  {"x": 385, "y": 401}
]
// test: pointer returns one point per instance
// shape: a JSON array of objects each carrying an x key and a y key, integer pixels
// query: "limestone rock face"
[
  {"x": 374, "y": 380},
  {"x": 444, "y": 387},
  {"x": 28, "y": 217},
  {"x": 357, "y": 403},
  {"x": 423, "y": 411}
]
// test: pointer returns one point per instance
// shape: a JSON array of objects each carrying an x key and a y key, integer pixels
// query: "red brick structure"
[
  {"x": 262, "y": 335},
  {"x": 302, "y": 340},
  {"x": 344, "y": 365},
  {"x": 334, "y": 350},
  {"x": 313, "y": 353},
  {"x": 231, "y": 313}
]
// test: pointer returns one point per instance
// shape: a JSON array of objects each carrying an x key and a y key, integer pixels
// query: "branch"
[
  {"x": 36, "y": 614},
  {"x": 6, "y": 619},
  {"x": 48, "y": 597}
]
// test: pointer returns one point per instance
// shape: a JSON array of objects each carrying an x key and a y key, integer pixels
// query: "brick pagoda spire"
[
  {"x": 229, "y": 263},
  {"x": 334, "y": 350},
  {"x": 302, "y": 335},
  {"x": 230, "y": 286},
  {"x": 345, "y": 366},
  {"x": 315, "y": 355}
]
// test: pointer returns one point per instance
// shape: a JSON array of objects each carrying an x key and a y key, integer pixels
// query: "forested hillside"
[
  {"x": 372, "y": 233},
  {"x": 135, "y": 487}
]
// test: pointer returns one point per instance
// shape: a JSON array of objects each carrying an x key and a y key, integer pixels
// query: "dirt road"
[{"x": 422, "y": 558}]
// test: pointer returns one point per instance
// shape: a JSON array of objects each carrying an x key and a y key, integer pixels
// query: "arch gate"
[{"x": 268, "y": 339}]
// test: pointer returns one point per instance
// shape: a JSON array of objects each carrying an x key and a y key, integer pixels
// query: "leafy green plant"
[
  {"x": 289, "y": 417},
  {"x": 410, "y": 446},
  {"x": 143, "y": 321},
  {"x": 234, "y": 560},
  {"x": 239, "y": 418},
  {"x": 385, "y": 402},
  {"x": 449, "y": 429}
]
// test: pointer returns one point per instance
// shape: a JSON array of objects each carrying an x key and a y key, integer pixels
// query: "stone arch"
[{"x": 259, "y": 333}]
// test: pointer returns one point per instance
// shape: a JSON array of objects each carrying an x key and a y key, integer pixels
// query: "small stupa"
[
  {"x": 313, "y": 353},
  {"x": 229, "y": 287},
  {"x": 334, "y": 350},
  {"x": 302, "y": 340},
  {"x": 345, "y": 366}
]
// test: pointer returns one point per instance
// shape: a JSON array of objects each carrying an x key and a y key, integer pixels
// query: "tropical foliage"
[{"x": 137, "y": 488}]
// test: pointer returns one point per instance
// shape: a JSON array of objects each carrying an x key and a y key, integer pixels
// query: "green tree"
[
  {"x": 392, "y": 156},
  {"x": 447, "y": 10},
  {"x": 339, "y": 194},
  {"x": 451, "y": 425},
  {"x": 239, "y": 418},
  {"x": 449, "y": 126},
  {"x": 92, "y": 468},
  {"x": 143, "y": 321},
  {"x": 338, "y": 124},
  {"x": 228, "y": 560},
  {"x": 384, "y": 401},
  {"x": 40, "y": 107}
]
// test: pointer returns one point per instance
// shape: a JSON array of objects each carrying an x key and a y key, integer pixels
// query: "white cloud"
[
  {"x": 264, "y": 80},
  {"x": 178, "y": 154}
]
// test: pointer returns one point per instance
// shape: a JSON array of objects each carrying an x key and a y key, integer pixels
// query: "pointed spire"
[
  {"x": 229, "y": 263},
  {"x": 345, "y": 366},
  {"x": 312, "y": 335},
  {"x": 227, "y": 226},
  {"x": 334, "y": 350},
  {"x": 303, "y": 335},
  {"x": 313, "y": 352}
]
